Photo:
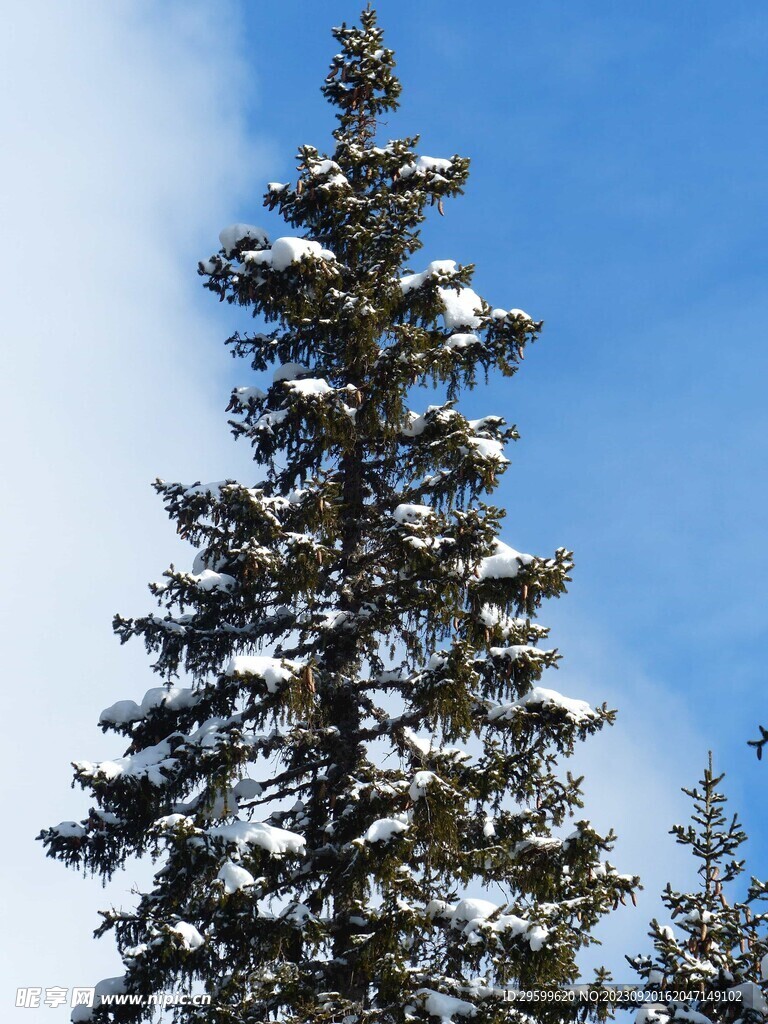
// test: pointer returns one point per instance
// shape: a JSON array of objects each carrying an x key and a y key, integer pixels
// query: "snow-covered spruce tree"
[
  {"x": 358, "y": 804},
  {"x": 715, "y": 944}
]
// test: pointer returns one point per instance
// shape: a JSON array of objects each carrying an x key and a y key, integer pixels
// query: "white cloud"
[
  {"x": 124, "y": 152},
  {"x": 633, "y": 773}
]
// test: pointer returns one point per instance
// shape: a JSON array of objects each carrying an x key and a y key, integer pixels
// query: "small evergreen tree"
[
  {"x": 715, "y": 945},
  {"x": 357, "y": 805}
]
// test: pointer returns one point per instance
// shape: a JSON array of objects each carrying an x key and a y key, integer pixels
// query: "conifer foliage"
[
  {"x": 715, "y": 950},
  {"x": 357, "y": 803}
]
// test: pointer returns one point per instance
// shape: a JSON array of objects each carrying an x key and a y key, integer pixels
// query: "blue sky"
[{"x": 618, "y": 191}]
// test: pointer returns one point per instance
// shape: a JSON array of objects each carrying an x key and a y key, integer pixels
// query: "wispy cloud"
[
  {"x": 124, "y": 150},
  {"x": 632, "y": 772}
]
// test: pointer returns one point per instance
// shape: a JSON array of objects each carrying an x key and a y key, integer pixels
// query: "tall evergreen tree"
[
  {"x": 357, "y": 804},
  {"x": 716, "y": 949}
]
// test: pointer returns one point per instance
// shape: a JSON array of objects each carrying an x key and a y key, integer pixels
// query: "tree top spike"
[{"x": 361, "y": 82}]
